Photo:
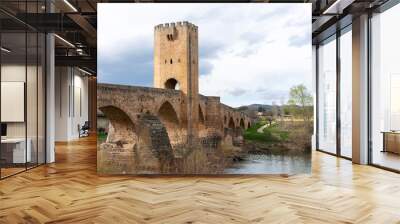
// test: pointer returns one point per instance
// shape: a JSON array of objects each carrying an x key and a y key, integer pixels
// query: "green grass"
[{"x": 271, "y": 134}]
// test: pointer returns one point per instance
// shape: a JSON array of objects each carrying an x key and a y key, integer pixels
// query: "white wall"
[
  {"x": 10, "y": 73},
  {"x": 33, "y": 127},
  {"x": 62, "y": 82},
  {"x": 71, "y": 102},
  {"x": 17, "y": 73}
]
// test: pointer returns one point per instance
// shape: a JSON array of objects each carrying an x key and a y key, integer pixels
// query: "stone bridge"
[
  {"x": 125, "y": 105},
  {"x": 163, "y": 114},
  {"x": 164, "y": 125}
]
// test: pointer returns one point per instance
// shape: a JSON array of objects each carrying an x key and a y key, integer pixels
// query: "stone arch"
[
  {"x": 231, "y": 124},
  {"x": 242, "y": 126},
  {"x": 248, "y": 125},
  {"x": 172, "y": 84},
  {"x": 121, "y": 128},
  {"x": 168, "y": 115},
  {"x": 169, "y": 118},
  {"x": 121, "y": 140}
]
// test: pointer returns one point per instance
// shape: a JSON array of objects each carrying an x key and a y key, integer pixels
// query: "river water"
[{"x": 272, "y": 163}]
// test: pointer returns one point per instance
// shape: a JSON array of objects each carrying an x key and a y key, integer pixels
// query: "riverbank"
[
  {"x": 275, "y": 147},
  {"x": 279, "y": 136}
]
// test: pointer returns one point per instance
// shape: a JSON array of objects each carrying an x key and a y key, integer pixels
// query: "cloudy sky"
[{"x": 249, "y": 53}]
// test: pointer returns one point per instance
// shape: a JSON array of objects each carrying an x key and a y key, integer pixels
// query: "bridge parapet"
[{"x": 135, "y": 100}]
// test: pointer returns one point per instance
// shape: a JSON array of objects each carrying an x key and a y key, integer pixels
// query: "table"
[
  {"x": 391, "y": 141},
  {"x": 13, "y": 150}
]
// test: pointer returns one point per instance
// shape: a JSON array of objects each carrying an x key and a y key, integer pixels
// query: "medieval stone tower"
[{"x": 176, "y": 66}]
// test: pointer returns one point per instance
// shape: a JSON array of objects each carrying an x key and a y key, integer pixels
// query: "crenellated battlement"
[{"x": 167, "y": 26}]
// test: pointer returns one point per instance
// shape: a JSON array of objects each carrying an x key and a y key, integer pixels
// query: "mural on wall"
[{"x": 170, "y": 126}]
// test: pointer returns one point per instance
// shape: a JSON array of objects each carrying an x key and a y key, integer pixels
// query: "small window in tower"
[
  {"x": 170, "y": 61},
  {"x": 170, "y": 37},
  {"x": 179, "y": 60},
  {"x": 165, "y": 61}
]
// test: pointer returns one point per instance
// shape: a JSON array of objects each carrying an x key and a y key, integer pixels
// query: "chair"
[{"x": 84, "y": 130}]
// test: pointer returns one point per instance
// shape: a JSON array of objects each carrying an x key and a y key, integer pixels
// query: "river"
[{"x": 272, "y": 163}]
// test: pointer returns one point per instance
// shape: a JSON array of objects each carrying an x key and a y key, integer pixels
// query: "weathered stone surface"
[
  {"x": 117, "y": 159},
  {"x": 133, "y": 101},
  {"x": 153, "y": 151},
  {"x": 165, "y": 123}
]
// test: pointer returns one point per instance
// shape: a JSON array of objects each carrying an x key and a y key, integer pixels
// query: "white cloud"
[{"x": 245, "y": 48}]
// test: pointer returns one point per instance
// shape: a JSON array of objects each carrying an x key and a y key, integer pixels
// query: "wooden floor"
[
  {"x": 70, "y": 191},
  {"x": 387, "y": 159},
  {"x": 5, "y": 172}
]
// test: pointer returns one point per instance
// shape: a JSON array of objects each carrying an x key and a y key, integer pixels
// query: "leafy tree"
[
  {"x": 300, "y": 97},
  {"x": 286, "y": 110}
]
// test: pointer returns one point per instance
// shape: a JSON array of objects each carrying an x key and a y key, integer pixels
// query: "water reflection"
[{"x": 272, "y": 163}]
